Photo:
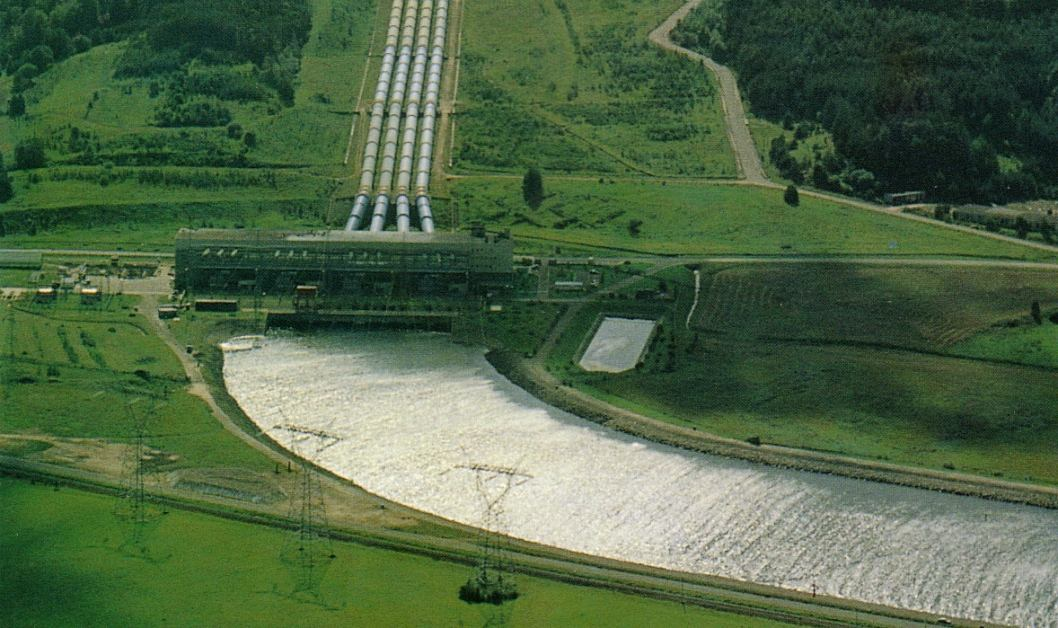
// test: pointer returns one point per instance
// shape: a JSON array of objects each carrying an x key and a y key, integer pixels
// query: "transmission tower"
[
  {"x": 308, "y": 549},
  {"x": 491, "y": 581},
  {"x": 135, "y": 508}
]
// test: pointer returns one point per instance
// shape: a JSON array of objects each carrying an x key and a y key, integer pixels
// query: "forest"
[
  {"x": 165, "y": 37},
  {"x": 958, "y": 98}
]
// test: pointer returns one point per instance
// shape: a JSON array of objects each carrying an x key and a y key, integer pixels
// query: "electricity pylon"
[
  {"x": 491, "y": 581},
  {"x": 308, "y": 549}
]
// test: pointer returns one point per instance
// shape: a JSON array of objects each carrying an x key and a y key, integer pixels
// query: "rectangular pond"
[{"x": 618, "y": 345}]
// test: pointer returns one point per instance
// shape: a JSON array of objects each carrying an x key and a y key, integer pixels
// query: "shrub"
[
  {"x": 81, "y": 43},
  {"x": 16, "y": 106},
  {"x": 30, "y": 154}
]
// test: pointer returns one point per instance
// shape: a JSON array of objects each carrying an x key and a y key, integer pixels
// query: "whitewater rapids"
[{"x": 417, "y": 414}]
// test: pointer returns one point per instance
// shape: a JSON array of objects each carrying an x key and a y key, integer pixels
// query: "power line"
[{"x": 308, "y": 549}]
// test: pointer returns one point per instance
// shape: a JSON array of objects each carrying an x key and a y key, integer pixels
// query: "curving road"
[{"x": 746, "y": 157}]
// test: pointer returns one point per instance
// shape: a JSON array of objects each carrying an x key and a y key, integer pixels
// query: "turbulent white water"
[{"x": 416, "y": 410}]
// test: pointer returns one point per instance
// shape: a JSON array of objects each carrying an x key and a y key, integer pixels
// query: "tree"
[
  {"x": 81, "y": 43},
  {"x": 16, "y": 106},
  {"x": 1021, "y": 226},
  {"x": 1047, "y": 231},
  {"x": 791, "y": 196},
  {"x": 30, "y": 154},
  {"x": 634, "y": 227},
  {"x": 1037, "y": 315},
  {"x": 533, "y": 188},
  {"x": 7, "y": 191}
]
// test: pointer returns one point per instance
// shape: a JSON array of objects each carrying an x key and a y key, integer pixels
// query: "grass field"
[
  {"x": 864, "y": 362},
  {"x": 684, "y": 218},
  {"x": 153, "y": 226},
  {"x": 69, "y": 371},
  {"x": 62, "y": 564},
  {"x": 573, "y": 85},
  {"x": 104, "y": 148},
  {"x": 924, "y": 308}
]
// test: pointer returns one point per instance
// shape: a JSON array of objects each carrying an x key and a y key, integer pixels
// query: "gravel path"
[{"x": 749, "y": 165}]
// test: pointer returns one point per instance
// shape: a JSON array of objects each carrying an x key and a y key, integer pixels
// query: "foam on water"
[{"x": 416, "y": 410}]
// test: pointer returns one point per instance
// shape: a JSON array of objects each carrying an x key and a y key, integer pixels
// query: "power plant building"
[{"x": 366, "y": 263}]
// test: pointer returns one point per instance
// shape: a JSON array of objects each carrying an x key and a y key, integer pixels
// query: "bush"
[
  {"x": 482, "y": 589},
  {"x": 29, "y": 154},
  {"x": 16, "y": 106},
  {"x": 81, "y": 43},
  {"x": 195, "y": 112},
  {"x": 7, "y": 191},
  {"x": 533, "y": 188}
]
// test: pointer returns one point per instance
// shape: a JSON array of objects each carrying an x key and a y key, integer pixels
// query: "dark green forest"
[
  {"x": 166, "y": 36},
  {"x": 955, "y": 97}
]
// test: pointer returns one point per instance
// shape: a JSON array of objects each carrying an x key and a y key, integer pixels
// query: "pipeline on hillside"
[
  {"x": 411, "y": 119},
  {"x": 396, "y": 107},
  {"x": 418, "y": 81},
  {"x": 378, "y": 109},
  {"x": 426, "y": 135}
]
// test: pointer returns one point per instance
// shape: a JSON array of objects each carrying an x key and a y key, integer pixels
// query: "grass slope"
[
  {"x": 59, "y": 553},
  {"x": 69, "y": 371},
  {"x": 684, "y": 218},
  {"x": 79, "y": 108},
  {"x": 574, "y": 86},
  {"x": 794, "y": 356}
]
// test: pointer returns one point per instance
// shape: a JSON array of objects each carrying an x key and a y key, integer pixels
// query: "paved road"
[
  {"x": 749, "y": 164},
  {"x": 92, "y": 253}
]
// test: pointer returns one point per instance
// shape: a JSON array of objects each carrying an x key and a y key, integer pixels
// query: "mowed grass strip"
[
  {"x": 704, "y": 219},
  {"x": 62, "y": 564}
]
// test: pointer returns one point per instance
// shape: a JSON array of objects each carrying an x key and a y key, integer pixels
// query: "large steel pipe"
[
  {"x": 378, "y": 109},
  {"x": 429, "y": 119},
  {"x": 411, "y": 118},
  {"x": 396, "y": 105}
]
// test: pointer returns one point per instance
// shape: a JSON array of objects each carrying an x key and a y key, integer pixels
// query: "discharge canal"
[{"x": 429, "y": 423}]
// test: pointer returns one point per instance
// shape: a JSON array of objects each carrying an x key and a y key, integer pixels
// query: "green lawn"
[
  {"x": 153, "y": 228},
  {"x": 684, "y": 218},
  {"x": 574, "y": 86},
  {"x": 69, "y": 371},
  {"x": 1027, "y": 344},
  {"x": 76, "y": 187},
  {"x": 62, "y": 566}
]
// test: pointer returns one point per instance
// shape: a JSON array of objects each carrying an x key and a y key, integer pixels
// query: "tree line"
[
  {"x": 166, "y": 35},
  {"x": 955, "y": 97}
]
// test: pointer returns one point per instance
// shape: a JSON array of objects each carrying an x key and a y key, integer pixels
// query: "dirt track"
[{"x": 749, "y": 165}]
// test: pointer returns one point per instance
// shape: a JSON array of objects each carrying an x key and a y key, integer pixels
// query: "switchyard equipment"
[
  {"x": 408, "y": 48},
  {"x": 344, "y": 262}
]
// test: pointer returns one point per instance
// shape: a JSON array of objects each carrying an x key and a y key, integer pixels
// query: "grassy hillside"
[
  {"x": 684, "y": 218},
  {"x": 940, "y": 367},
  {"x": 68, "y": 371},
  {"x": 71, "y": 570},
  {"x": 211, "y": 126},
  {"x": 573, "y": 85}
]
